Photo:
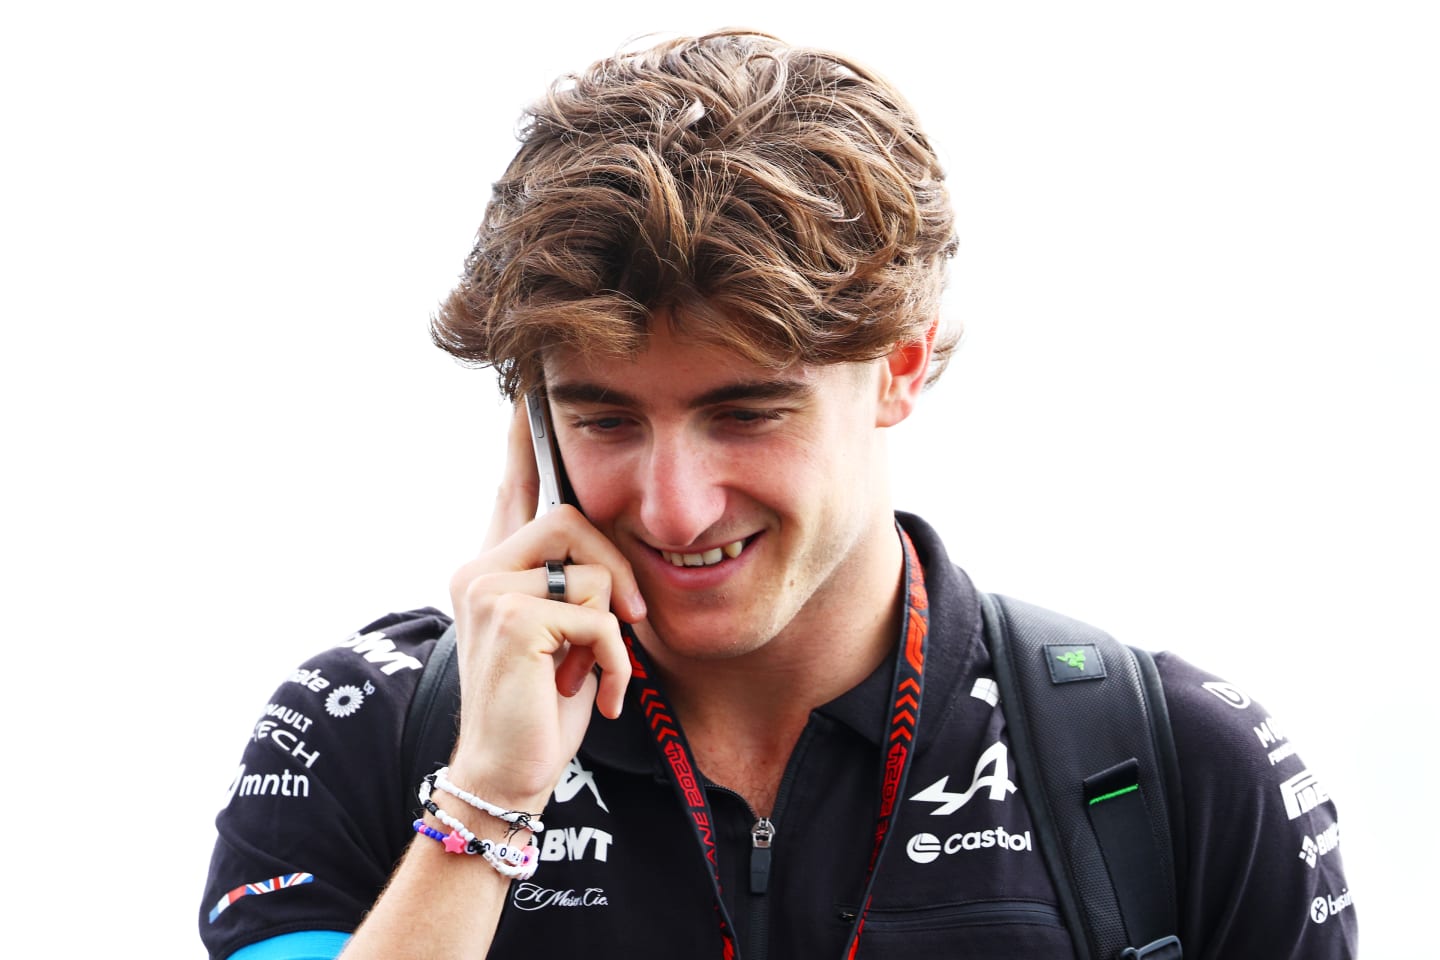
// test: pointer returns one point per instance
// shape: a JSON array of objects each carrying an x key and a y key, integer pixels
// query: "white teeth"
[{"x": 707, "y": 559}]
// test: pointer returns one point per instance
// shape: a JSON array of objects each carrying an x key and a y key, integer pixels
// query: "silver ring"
[{"x": 555, "y": 580}]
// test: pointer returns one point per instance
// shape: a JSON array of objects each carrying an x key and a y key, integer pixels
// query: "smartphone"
[{"x": 554, "y": 488}]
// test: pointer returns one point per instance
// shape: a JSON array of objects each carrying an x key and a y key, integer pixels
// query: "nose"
[{"x": 682, "y": 489}]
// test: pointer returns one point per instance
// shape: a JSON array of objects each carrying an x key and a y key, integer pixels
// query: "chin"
[{"x": 706, "y": 641}]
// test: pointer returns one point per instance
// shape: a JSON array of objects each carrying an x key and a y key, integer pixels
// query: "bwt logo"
[
  {"x": 1313, "y": 848},
  {"x": 926, "y": 847}
]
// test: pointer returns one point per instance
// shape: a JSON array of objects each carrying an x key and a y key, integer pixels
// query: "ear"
[{"x": 902, "y": 377}]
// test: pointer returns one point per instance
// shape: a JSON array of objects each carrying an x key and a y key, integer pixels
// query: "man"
[{"x": 720, "y": 262}]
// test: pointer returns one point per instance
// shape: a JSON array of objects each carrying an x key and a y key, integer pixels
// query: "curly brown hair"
[{"x": 779, "y": 201}]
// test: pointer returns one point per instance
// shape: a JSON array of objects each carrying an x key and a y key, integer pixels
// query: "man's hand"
[{"x": 526, "y": 677}]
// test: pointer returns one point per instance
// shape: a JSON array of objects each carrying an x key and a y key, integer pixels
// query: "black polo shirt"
[{"x": 319, "y": 814}]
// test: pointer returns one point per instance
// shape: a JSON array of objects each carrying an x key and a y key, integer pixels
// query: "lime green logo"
[{"x": 1074, "y": 659}]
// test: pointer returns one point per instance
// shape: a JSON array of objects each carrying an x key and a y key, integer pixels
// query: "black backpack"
[{"x": 1088, "y": 724}]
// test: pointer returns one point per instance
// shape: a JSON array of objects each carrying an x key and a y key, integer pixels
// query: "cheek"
[{"x": 601, "y": 484}]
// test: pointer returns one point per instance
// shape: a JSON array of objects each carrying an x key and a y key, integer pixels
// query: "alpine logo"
[
  {"x": 1302, "y": 793},
  {"x": 1228, "y": 692},
  {"x": 573, "y": 780},
  {"x": 997, "y": 782},
  {"x": 1313, "y": 848},
  {"x": 1323, "y": 908},
  {"x": 926, "y": 847}
]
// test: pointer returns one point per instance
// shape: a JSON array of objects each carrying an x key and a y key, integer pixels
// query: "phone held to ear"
[{"x": 554, "y": 489}]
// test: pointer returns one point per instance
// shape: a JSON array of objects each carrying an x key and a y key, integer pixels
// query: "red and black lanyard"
[{"x": 896, "y": 751}]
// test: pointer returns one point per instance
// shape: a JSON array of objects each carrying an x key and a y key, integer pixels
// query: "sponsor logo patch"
[
  {"x": 997, "y": 782},
  {"x": 268, "y": 729},
  {"x": 1228, "y": 692},
  {"x": 347, "y": 700},
  {"x": 377, "y": 648},
  {"x": 574, "y": 843},
  {"x": 1273, "y": 738},
  {"x": 1324, "y": 907},
  {"x": 573, "y": 780},
  {"x": 1302, "y": 793},
  {"x": 926, "y": 847},
  {"x": 532, "y": 896},
  {"x": 282, "y": 784},
  {"x": 1313, "y": 848},
  {"x": 310, "y": 679},
  {"x": 287, "y": 716},
  {"x": 1069, "y": 662}
]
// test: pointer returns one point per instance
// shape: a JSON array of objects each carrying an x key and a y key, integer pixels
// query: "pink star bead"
[{"x": 454, "y": 843}]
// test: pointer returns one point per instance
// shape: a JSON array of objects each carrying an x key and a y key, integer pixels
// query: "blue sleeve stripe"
[{"x": 306, "y": 945}]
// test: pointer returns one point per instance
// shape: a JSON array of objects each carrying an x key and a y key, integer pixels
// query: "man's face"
[{"x": 748, "y": 501}]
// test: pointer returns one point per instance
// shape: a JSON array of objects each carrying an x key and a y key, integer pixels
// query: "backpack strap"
[
  {"x": 431, "y": 721},
  {"x": 1091, "y": 737}
]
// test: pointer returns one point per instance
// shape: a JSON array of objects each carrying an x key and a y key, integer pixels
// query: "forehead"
[{"x": 669, "y": 367}]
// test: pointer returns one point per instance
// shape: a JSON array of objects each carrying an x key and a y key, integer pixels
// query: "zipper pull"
[{"x": 760, "y": 837}]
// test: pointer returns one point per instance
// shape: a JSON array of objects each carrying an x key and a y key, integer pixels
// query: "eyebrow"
[{"x": 581, "y": 392}]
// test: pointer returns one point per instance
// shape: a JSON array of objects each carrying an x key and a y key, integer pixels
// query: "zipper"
[
  {"x": 762, "y": 838},
  {"x": 761, "y": 834},
  {"x": 959, "y": 915}
]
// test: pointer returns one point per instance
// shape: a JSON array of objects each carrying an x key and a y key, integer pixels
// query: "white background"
[{"x": 1195, "y": 405}]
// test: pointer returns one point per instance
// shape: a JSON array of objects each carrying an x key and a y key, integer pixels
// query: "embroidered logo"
[
  {"x": 1228, "y": 692},
  {"x": 575, "y": 778},
  {"x": 998, "y": 783}
]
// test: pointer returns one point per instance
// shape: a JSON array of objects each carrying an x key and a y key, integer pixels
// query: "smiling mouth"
[{"x": 707, "y": 558}]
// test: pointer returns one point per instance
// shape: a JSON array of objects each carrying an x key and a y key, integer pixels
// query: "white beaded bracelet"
[
  {"x": 509, "y": 860},
  {"x": 516, "y": 818}
]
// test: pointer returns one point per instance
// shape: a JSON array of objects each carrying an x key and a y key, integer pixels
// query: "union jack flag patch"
[{"x": 257, "y": 888}]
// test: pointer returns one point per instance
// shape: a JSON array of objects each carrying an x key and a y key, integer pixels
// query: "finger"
[
  {"x": 516, "y": 626},
  {"x": 560, "y": 534},
  {"x": 593, "y": 637},
  {"x": 586, "y": 585},
  {"x": 519, "y": 490},
  {"x": 573, "y": 669}
]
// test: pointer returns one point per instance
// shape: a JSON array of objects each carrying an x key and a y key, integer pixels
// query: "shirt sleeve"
[
  {"x": 1263, "y": 876},
  {"x": 319, "y": 812}
]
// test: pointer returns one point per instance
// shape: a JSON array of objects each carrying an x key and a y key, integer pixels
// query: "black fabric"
[
  {"x": 1078, "y": 727},
  {"x": 431, "y": 723},
  {"x": 618, "y": 875},
  {"x": 1119, "y": 811}
]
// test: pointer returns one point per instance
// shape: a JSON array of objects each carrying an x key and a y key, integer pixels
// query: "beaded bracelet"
[
  {"x": 518, "y": 819},
  {"x": 517, "y": 863}
]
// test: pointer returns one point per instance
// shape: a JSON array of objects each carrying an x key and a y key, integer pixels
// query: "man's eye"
[
  {"x": 754, "y": 416},
  {"x": 600, "y": 424}
]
